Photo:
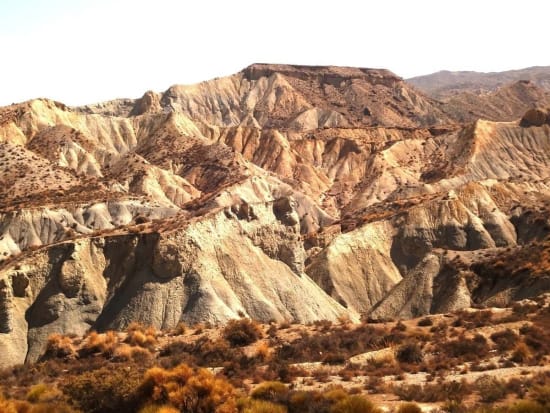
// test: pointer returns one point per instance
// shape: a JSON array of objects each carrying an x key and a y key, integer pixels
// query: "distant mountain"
[{"x": 444, "y": 84}]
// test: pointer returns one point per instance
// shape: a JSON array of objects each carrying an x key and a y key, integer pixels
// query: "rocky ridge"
[{"x": 274, "y": 194}]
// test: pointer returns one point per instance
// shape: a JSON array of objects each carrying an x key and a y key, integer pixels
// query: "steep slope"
[
  {"x": 271, "y": 193},
  {"x": 293, "y": 97},
  {"x": 507, "y": 103}
]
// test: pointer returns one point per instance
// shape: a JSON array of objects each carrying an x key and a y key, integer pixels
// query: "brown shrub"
[
  {"x": 490, "y": 389},
  {"x": 425, "y": 322},
  {"x": 505, "y": 340},
  {"x": 409, "y": 353},
  {"x": 105, "y": 390},
  {"x": 261, "y": 406},
  {"x": 469, "y": 349},
  {"x": 188, "y": 390},
  {"x": 242, "y": 332},
  {"x": 521, "y": 353},
  {"x": 409, "y": 408},
  {"x": 146, "y": 339},
  {"x": 430, "y": 393},
  {"x": 272, "y": 391},
  {"x": 354, "y": 404},
  {"x": 541, "y": 394},
  {"x": 104, "y": 344},
  {"x": 59, "y": 346}
]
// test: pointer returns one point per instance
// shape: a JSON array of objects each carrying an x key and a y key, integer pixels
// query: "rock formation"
[{"x": 279, "y": 193}]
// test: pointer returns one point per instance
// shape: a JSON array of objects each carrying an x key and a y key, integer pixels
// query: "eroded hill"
[{"x": 281, "y": 193}]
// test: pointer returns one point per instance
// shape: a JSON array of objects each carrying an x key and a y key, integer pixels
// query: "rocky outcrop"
[
  {"x": 210, "y": 270},
  {"x": 148, "y": 103},
  {"x": 535, "y": 117},
  {"x": 281, "y": 193}
]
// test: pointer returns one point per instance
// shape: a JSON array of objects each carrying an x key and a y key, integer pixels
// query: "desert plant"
[
  {"x": 409, "y": 408},
  {"x": 273, "y": 391},
  {"x": 188, "y": 390},
  {"x": 242, "y": 332},
  {"x": 541, "y": 394},
  {"x": 262, "y": 406},
  {"x": 490, "y": 389},
  {"x": 59, "y": 346},
  {"x": 104, "y": 343},
  {"x": 505, "y": 340},
  {"x": 425, "y": 322},
  {"x": 409, "y": 353},
  {"x": 467, "y": 348},
  {"x": 104, "y": 390},
  {"x": 41, "y": 392},
  {"x": 354, "y": 404},
  {"x": 526, "y": 406}
]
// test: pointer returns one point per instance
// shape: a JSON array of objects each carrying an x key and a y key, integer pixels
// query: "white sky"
[{"x": 80, "y": 51}]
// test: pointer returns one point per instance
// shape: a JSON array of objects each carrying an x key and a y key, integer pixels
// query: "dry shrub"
[
  {"x": 126, "y": 352},
  {"x": 273, "y": 391},
  {"x": 262, "y": 406},
  {"x": 242, "y": 332},
  {"x": 409, "y": 353},
  {"x": 142, "y": 339},
  {"x": 106, "y": 390},
  {"x": 43, "y": 393},
  {"x": 490, "y": 389},
  {"x": 541, "y": 394},
  {"x": 469, "y": 349},
  {"x": 521, "y": 353},
  {"x": 430, "y": 393},
  {"x": 263, "y": 351},
  {"x": 59, "y": 346},
  {"x": 354, "y": 404},
  {"x": 158, "y": 408},
  {"x": 505, "y": 340},
  {"x": 361, "y": 339},
  {"x": 188, "y": 390},
  {"x": 425, "y": 322},
  {"x": 399, "y": 326},
  {"x": 526, "y": 406},
  {"x": 179, "y": 330},
  {"x": 104, "y": 343},
  {"x": 454, "y": 406},
  {"x": 474, "y": 319},
  {"x": 409, "y": 408}
]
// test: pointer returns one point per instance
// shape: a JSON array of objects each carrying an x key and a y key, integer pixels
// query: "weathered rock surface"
[{"x": 281, "y": 193}]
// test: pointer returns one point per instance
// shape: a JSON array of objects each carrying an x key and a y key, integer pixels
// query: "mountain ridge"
[{"x": 276, "y": 197}]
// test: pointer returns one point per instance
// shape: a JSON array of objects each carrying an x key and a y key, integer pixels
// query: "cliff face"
[
  {"x": 270, "y": 193},
  {"x": 293, "y": 97}
]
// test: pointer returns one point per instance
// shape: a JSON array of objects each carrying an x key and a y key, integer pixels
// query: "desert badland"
[{"x": 339, "y": 229}]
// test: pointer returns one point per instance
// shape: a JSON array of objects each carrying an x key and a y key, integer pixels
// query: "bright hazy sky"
[{"x": 79, "y": 51}]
